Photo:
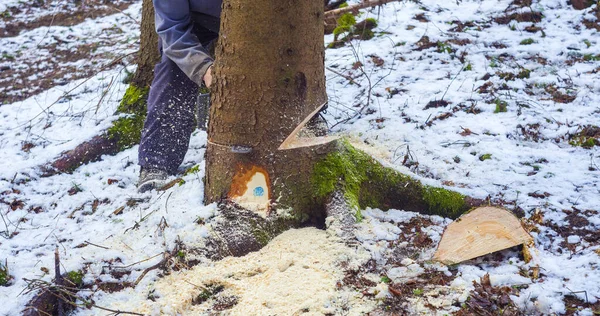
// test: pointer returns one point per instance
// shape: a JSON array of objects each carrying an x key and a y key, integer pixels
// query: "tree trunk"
[
  {"x": 148, "y": 54},
  {"x": 269, "y": 76}
]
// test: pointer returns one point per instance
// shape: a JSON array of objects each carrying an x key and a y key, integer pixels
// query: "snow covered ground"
[{"x": 466, "y": 95}]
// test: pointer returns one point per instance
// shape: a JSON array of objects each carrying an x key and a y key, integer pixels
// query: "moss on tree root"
[
  {"x": 367, "y": 183},
  {"x": 127, "y": 130}
]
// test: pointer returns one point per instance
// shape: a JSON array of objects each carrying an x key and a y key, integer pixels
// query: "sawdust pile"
[{"x": 296, "y": 273}]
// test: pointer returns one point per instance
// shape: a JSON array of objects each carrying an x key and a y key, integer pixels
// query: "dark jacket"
[{"x": 174, "y": 26}]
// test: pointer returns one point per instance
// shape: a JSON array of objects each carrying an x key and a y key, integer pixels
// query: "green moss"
[
  {"x": 585, "y": 142},
  {"x": 501, "y": 106},
  {"x": 485, "y": 157},
  {"x": 587, "y": 138},
  {"x": 371, "y": 23},
  {"x": 444, "y": 48},
  {"x": 262, "y": 237},
  {"x": 346, "y": 168},
  {"x": 343, "y": 5},
  {"x": 524, "y": 73},
  {"x": 367, "y": 183},
  {"x": 194, "y": 169},
  {"x": 75, "y": 277},
  {"x": 591, "y": 57},
  {"x": 127, "y": 130},
  {"x": 345, "y": 23},
  {"x": 134, "y": 101},
  {"x": 4, "y": 276},
  {"x": 452, "y": 203},
  {"x": 527, "y": 41}
]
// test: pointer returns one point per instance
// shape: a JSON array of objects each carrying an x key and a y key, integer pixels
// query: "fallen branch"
[
  {"x": 333, "y": 14},
  {"x": 161, "y": 263},
  {"x": 85, "y": 152}
]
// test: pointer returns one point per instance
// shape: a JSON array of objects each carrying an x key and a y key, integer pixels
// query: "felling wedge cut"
[
  {"x": 294, "y": 141},
  {"x": 481, "y": 231}
]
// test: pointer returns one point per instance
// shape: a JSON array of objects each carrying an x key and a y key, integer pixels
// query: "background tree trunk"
[
  {"x": 269, "y": 76},
  {"x": 148, "y": 54}
]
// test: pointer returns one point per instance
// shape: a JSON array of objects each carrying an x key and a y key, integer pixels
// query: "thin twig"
[
  {"x": 127, "y": 266},
  {"x": 123, "y": 12},
  {"x": 58, "y": 280},
  {"x": 461, "y": 69},
  {"x": 168, "y": 256},
  {"x": 105, "y": 67},
  {"x": 344, "y": 76},
  {"x": 104, "y": 93},
  {"x": 89, "y": 243}
]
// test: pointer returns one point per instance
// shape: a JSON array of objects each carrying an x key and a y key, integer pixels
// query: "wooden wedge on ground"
[{"x": 481, "y": 231}]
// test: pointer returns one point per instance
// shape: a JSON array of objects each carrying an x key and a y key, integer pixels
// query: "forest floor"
[{"x": 494, "y": 99}]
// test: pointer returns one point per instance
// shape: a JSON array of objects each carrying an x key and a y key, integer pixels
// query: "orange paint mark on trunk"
[{"x": 251, "y": 188}]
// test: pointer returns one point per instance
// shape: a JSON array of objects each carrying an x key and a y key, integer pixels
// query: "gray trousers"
[{"x": 170, "y": 120}]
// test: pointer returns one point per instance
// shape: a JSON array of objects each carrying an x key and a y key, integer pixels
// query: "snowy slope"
[{"x": 521, "y": 158}]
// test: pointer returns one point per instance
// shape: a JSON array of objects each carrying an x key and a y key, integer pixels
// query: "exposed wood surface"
[
  {"x": 294, "y": 141},
  {"x": 482, "y": 231},
  {"x": 251, "y": 189}
]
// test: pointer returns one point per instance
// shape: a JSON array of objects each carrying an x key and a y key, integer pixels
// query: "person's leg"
[{"x": 170, "y": 120}]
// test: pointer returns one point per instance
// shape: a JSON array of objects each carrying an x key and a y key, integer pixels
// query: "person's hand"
[{"x": 208, "y": 77}]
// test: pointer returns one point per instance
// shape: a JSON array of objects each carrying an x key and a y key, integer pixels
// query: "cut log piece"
[{"x": 482, "y": 231}]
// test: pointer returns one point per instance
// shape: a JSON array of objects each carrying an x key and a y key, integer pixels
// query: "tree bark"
[
  {"x": 269, "y": 76},
  {"x": 148, "y": 54}
]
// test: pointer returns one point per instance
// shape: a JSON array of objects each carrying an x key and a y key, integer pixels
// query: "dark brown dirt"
[
  {"x": 436, "y": 104},
  {"x": 530, "y": 16},
  {"x": 485, "y": 88},
  {"x": 530, "y": 132},
  {"x": 578, "y": 226},
  {"x": 574, "y": 304},
  {"x": 59, "y": 14},
  {"x": 592, "y": 24},
  {"x": 532, "y": 28},
  {"x": 425, "y": 43},
  {"x": 460, "y": 26},
  {"x": 24, "y": 74},
  {"x": 15, "y": 82},
  {"x": 486, "y": 300},
  {"x": 460, "y": 41},
  {"x": 559, "y": 96},
  {"x": 421, "y": 18},
  {"x": 401, "y": 292}
]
